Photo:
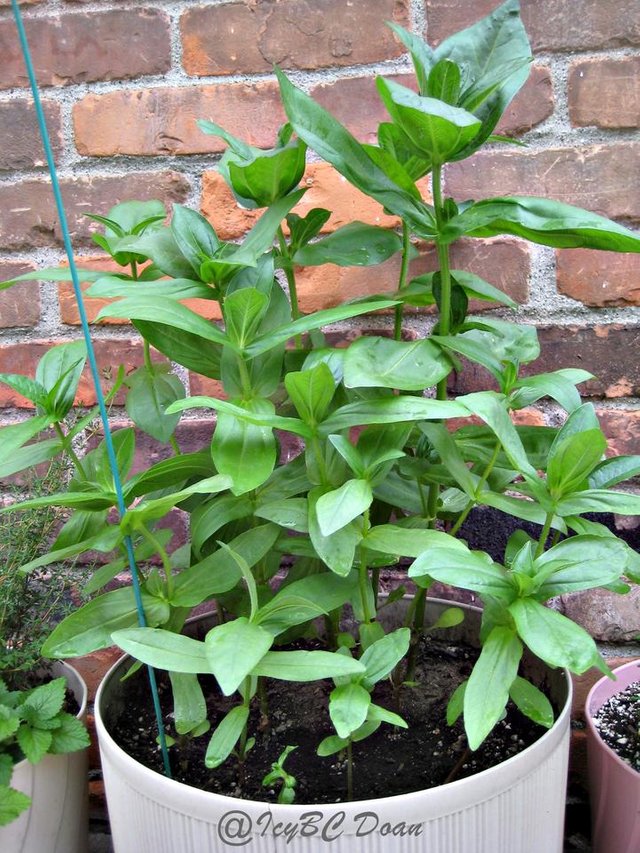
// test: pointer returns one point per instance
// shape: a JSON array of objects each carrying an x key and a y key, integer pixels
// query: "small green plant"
[
  {"x": 279, "y": 776},
  {"x": 33, "y": 724}
]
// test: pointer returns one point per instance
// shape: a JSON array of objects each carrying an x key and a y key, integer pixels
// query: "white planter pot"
[
  {"x": 57, "y": 820},
  {"x": 516, "y": 807}
]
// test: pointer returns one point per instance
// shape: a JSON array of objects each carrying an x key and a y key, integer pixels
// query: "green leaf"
[
  {"x": 151, "y": 392},
  {"x": 194, "y": 236},
  {"x": 337, "y": 508},
  {"x": 543, "y": 221},
  {"x": 581, "y": 562},
  {"x": 244, "y": 451},
  {"x": 69, "y": 736},
  {"x": 33, "y": 391},
  {"x": 226, "y": 736},
  {"x": 420, "y": 289},
  {"x": 89, "y": 500},
  {"x": 59, "y": 372},
  {"x": 293, "y": 425},
  {"x": 373, "y": 362},
  {"x": 559, "y": 385},
  {"x": 355, "y": 244},
  {"x": 243, "y": 312},
  {"x": 151, "y": 509},
  {"x": 12, "y": 804},
  {"x": 189, "y": 350},
  {"x": 392, "y": 539},
  {"x": 164, "y": 649},
  {"x": 33, "y": 742},
  {"x": 304, "y": 229},
  {"x": 532, "y": 702},
  {"x": 280, "y": 335},
  {"x": 292, "y": 513},
  {"x": 436, "y": 129},
  {"x": 212, "y": 515},
  {"x": 552, "y": 637},
  {"x": 450, "y": 456},
  {"x": 390, "y": 410},
  {"x": 29, "y": 455},
  {"x": 348, "y": 706},
  {"x": 311, "y": 392},
  {"x": 305, "y": 599},
  {"x": 488, "y": 686},
  {"x": 90, "y": 627},
  {"x": 270, "y": 176},
  {"x": 444, "y": 82},
  {"x": 338, "y": 549},
  {"x": 571, "y": 461},
  {"x": 161, "y": 309},
  {"x": 455, "y": 705},
  {"x": 421, "y": 54},
  {"x": 110, "y": 286},
  {"x": 330, "y": 745},
  {"x": 234, "y": 649},
  {"x": 333, "y": 142},
  {"x": 381, "y": 657},
  {"x": 463, "y": 568},
  {"x": 377, "y": 714},
  {"x": 599, "y": 500},
  {"x": 47, "y": 699},
  {"x": 613, "y": 471},
  {"x": 189, "y": 705},
  {"x": 307, "y": 666}
]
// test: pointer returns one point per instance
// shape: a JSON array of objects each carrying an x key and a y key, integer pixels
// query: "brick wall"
[{"x": 124, "y": 81}]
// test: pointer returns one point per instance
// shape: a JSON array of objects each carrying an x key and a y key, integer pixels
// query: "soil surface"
[
  {"x": 391, "y": 761},
  {"x": 618, "y": 723}
]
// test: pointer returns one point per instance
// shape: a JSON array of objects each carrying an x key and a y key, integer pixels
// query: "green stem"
[
  {"x": 247, "y": 390},
  {"x": 147, "y": 356},
  {"x": 67, "y": 448},
  {"x": 402, "y": 281},
  {"x": 483, "y": 479},
  {"x": 245, "y": 729},
  {"x": 321, "y": 462},
  {"x": 161, "y": 552},
  {"x": 418, "y": 625},
  {"x": 175, "y": 446},
  {"x": 291, "y": 281},
  {"x": 349, "y": 771},
  {"x": 544, "y": 535}
]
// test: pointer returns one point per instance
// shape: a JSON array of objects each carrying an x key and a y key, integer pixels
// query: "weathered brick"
[
  {"x": 504, "y": 262},
  {"x": 602, "y": 178},
  {"x": 68, "y": 306},
  {"x": 249, "y": 37},
  {"x": 163, "y": 120},
  {"x": 110, "y": 353},
  {"x": 81, "y": 48},
  {"x": 599, "y": 279},
  {"x": 605, "y": 92},
  {"x": 532, "y": 105},
  {"x": 27, "y": 211},
  {"x": 204, "y": 386},
  {"x": 20, "y": 145},
  {"x": 622, "y": 428},
  {"x": 593, "y": 348},
  {"x": 20, "y": 304},
  {"x": 553, "y": 25}
]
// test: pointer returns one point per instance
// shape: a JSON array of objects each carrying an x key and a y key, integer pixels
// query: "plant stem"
[
  {"x": 66, "y": 444},
  {"x": 402, "y": 281},
  {"x": 483, "y": 479},
  {"x": 545, "y": 533},
  {"x": 146, "y": 349},
  {"x": 291, "y": 281},
  {"x": 245, "y": 378},
  {"x": 365, "y": 587},
  {"x": 175, "y": 446},
  {"x": 418, "y": 625},
  {"x": 349, "y": 771}
]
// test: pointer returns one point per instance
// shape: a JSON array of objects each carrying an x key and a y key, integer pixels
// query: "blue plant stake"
[{"x": 91, "y": 357}]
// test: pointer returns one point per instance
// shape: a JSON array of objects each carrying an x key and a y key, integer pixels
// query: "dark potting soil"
[
  {"x": 391, "y": 761},
  {"x": 618, "y": 722}
]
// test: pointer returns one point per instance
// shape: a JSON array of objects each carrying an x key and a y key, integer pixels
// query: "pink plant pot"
[{"x": 613, "y": 784}]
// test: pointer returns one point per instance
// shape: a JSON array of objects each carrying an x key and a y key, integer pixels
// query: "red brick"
[
  {"x": 505, "y": 262},
  {"x": 204, "y": 386},
  {"x": 594, "y": 348},
  {"x": 326, "y": 188},
  {"x": 248, "y": 37},
  {"x": 20, "y": 304},
  {"x": 553, "y": 25},
  {"x": 599, "y": 279},
  {"x": 163, "y": 120},
  {"x": 622, "y": 428},
  {"x": 20, "y": 145},
  {"x": 602, "y": 178},
  {"x": 532, "y": 105},
  {"x": 27, "y": 211},
  {"x": 81, "y": 48},
  {"x": 605, "y": 92}
]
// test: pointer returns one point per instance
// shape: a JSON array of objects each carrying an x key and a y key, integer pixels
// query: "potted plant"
[
  {"x": 614, "y": 777},
  {"x": 43, "y": 788},
  {"x": 278, "y": 543}
]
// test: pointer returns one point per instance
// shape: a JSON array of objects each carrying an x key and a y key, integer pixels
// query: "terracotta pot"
[
  {"x": 515, "y": 807},
  {"x": 57, "y": 820},
  {"x": 614, "y": 786}
]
